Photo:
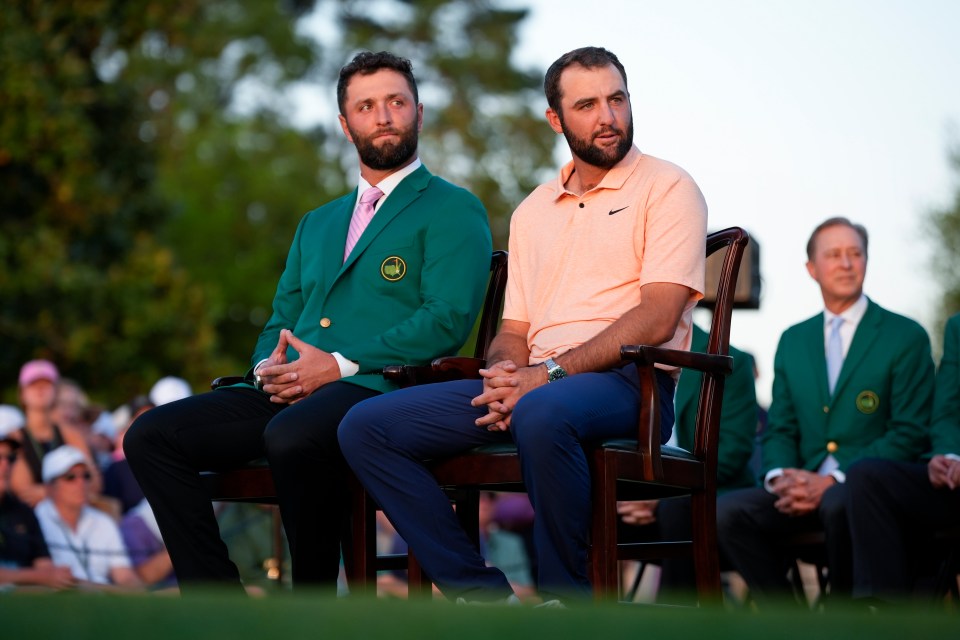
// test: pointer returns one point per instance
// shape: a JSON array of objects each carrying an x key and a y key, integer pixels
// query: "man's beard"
[
  {"x": 594, "y": 155},
  {"x": 390, "y": 155}
]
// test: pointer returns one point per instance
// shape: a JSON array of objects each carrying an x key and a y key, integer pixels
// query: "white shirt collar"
[
  {"x": 388, "y": 184},
  {"x": 852, "y": 314}
]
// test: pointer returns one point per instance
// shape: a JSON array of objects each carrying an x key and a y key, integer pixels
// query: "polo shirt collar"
[{"x": 615, "y": 179}]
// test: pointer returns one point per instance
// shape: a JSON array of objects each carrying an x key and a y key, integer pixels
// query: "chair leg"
[
  {"x": 275, "y": 571},
  {"x": 603, "y": 548},
  {"x": 418, "y": 585},
  {"x": 360, "y": 553},
  {"x": 706, "y": 559}
]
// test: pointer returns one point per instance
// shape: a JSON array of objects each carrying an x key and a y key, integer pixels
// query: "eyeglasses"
[{"x": 70, "y": 477}]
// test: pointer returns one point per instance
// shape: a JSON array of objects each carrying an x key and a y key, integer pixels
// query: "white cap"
[
  {"x": 61, "y": 460},
  {"x": 105, "y": 425},
  {"x": 169, "y": 389},
  {"x": 11, "y": 419}
]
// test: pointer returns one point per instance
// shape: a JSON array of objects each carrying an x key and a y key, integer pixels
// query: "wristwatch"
[
  {"x": 554, "y": 371},
  {"x": 257, "y": 380}
]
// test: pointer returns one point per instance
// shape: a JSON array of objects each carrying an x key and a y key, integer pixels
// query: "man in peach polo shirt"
[{"x": 610, "y": 253}]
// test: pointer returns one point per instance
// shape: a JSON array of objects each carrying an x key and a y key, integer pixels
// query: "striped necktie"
[{"x": 361, "y": 218}]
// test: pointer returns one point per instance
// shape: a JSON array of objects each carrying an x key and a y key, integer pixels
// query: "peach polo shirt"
[{"x": 577, "y": 263}]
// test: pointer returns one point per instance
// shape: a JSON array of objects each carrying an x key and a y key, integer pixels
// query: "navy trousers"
[{"x": 386, "y": 439}]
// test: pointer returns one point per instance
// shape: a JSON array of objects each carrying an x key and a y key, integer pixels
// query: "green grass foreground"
[{"x": 210, "y": 617}]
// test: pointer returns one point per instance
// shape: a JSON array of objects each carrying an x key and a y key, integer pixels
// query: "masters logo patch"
[
  {"x": 393, "y": 268},
  {"x": 868, "y": 402}
]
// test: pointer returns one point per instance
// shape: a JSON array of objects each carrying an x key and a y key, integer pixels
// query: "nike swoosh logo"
[{"x": 613, "y": 211}]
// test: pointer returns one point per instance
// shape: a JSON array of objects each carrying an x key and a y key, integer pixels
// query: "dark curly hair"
[{"x": 366, "y": 63}]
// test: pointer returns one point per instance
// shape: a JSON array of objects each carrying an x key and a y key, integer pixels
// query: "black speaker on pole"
[{"x": 747, "y": 294}]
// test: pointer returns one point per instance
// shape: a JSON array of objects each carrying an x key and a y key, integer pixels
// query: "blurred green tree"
[
  {"x": 151, "y": 174},
  {"x": 943, "y": 225},
  {"x": 90, "y": 278}
]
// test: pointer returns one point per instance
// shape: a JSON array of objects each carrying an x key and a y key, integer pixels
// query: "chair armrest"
[
  {"x": 458, "y": 367},
  {"x": 707, "y": 363},
  {"x": 648, "y": 428},
  {"x": 440, "y": 370},
  {"x": 226, "y": 381}
]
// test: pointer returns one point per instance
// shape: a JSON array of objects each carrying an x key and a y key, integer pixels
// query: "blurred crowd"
[{"x": 71, "y": 512}]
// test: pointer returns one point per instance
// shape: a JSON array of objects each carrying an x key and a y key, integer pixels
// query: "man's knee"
[
  {"x": 866, "y": 474},
  {"x": 353, "y": 431},
  {"x": 538, "y": 426},
  {"x": 291, "y": 436},
  {"x": 732, "y": 511},
  {"x": 833, "y": 506},
  {"x": 142, "y": 436}
]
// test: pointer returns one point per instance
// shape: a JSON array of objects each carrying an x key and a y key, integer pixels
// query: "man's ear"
[
  {"x": 553, "y": 118},
  {"x": 346, "y": 129}
]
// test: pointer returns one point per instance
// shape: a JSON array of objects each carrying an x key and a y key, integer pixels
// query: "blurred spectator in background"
[
  {"x": 70, "y": 405},
  {"x": 148, "y": 554},
  {"x": 41, "y": 434},
  {"x": 118, "y": 480},
  {"x": 73, "y": 409},
  {"x": 169, "y": 389},
  {"x": 79, "y": 537},
  {"x": 24, "y": 557}
]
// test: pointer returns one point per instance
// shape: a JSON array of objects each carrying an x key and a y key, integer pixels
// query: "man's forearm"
[
  {"x": 509, "y": 346},
  {"x": 651, "y": 322}
]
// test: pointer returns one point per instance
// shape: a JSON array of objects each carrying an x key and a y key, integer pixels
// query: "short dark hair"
[
  {"x": 589, "y": 57},
  {"x": 834, "y": 222},
  {"x": 366, "y": 63}
]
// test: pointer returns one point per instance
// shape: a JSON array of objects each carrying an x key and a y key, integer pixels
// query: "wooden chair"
[
  {"x": 253, "y": 481},
  {"x": 629, "y": 469}
]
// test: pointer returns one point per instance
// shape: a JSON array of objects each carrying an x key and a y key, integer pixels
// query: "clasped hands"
[
  {"x": 799, "y": 492},
  {"x": 504, "y": 383},
  {"x": 291, "y": 382},
  {"x": 944, "y": 472}
]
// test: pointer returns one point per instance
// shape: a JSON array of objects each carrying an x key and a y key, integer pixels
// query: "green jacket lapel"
[
  {"x": 815, "y": 356},
  {"x": 867, "y": 333},
  {"x": 334, "y": 244},
  {"x": 406, "y": 192}
]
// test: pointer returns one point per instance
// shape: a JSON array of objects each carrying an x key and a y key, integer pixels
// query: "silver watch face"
[{"x": 554, "y": 371}]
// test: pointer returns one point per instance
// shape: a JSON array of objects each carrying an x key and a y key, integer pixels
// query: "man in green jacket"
[
  {"x": 392, "y": 272},
  {"x": 896, "y": 506},
  {"x": 852, "y": 382}
]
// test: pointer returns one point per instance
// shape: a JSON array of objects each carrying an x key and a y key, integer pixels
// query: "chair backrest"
[
  {"x": 734, "y": 240},
  {"x": 492, "y": 303}
]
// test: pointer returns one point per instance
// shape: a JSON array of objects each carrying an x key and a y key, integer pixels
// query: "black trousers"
[
  {"x": 170, "y": 445},
  {"x": 894, "y": 511},
  {"x": 750, "y": 531}
]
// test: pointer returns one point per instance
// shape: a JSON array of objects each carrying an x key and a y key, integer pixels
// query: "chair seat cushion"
[
  {"x": 620, "y": 444},
  {"x": 666, "y": 451}
]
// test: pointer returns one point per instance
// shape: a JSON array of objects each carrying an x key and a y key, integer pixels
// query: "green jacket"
[
  {"x": 409, "y": 291},
  {"x": 738, "y": 417},
  {"x": 945, "y": 424},
  {"x": 880, "y": 407}
]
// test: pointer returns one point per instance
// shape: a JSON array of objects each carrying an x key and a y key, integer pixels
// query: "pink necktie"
[{"x": 361, "y": 218}]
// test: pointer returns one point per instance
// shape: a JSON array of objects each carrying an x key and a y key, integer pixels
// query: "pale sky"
[{"x": 785, "y": 113}]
